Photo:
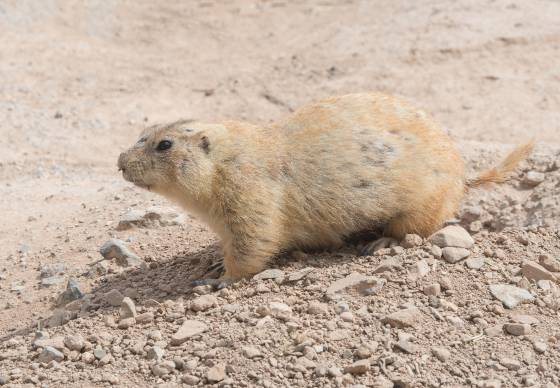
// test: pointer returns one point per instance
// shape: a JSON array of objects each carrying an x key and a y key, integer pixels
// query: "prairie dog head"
[{"x": 171, "y": 159}]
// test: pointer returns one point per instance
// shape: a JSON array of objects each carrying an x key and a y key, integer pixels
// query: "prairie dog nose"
[{"x": 122, "y": 161}]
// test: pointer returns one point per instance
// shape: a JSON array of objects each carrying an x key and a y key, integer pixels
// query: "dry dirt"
[{"x": 79, "y": 80}]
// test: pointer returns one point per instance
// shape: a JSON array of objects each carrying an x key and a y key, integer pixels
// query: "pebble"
[
  {"x": 125, "y": 323},
  {"x": 317, "y": 308},
  {"x": 114, "y": 297},
  {"x": 534, "y": 178},
  {"x": 251, "y": 352},
  {"x": 99, "y": 353},
  {"x": 204, "y": 302},
  {"x": 347, "y": 316},
  {"x": 128, "y": 309},
  {"x": 534, "y": 271},
  {"x": 298, "y": 275},
  {"x": 453, "y": 255},
  {"x": 163, "y": 368},
  {"x": 349, "y": 281},
  {"x": 475, "y": 262},
  {"x": 334, "y": 371},
  {"x": 146, "y": 317},
  {"x": 517, "y": 329},
  {"x": 188, "y": 329},
  {"x": 358, "y": 367},
  {"x": 540, "y": 346},
  {"x": 419, "y": 269},
  {"x": 549, "y": 263},
  {"x": 409, "y": 317},
  {"x": 273, "y": 274},
  {"x": 280, "y": 310},
  {"x": 52, "y": 281},
  {"x": 50, "y": 270},
  {"x": 117, "y": 249},
  {"x": 152, "y": 217},
  {"x": 432, "y": 289},
  {"x": 441, "y": 353},
  {"x": 155, "y": 353},
  {"x": 510, "y": 295},
  {"x": 216, "y": 374},
  {"x": 510, "y": 363},
  {"x": 190, "y": 379},
  {"x": 50, "y": 354},
  {"x": 74, "y": 342},
  {"x": 521, "y": 318},
  {"x": 72, "y": 292},
  {"x": 55, "y": 342},
  {"x": 388, "y": 265},
  {"x": 452, "y": 236}
]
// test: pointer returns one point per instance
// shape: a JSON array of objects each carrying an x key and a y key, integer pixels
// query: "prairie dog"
[{"x": 333, "y": 168}]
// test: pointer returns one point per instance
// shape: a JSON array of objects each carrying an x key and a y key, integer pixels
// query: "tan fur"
[{"x": 336, "y": 167}]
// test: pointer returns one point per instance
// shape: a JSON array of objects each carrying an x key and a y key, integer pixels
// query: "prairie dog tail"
[{"x": 501, "y": 173}]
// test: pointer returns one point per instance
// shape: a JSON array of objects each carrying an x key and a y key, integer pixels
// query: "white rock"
[
  {"x": 510, "y": 295},
  {"x": 204, "y": 302},
  {"x": 128, "y": 309},
  {"x": 188, "y": 329},
  {"x": 452, "y": 236},
  {"x": 453, "y": 255}
]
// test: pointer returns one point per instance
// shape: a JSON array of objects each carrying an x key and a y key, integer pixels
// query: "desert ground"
[{"x": 79, "y": 80}]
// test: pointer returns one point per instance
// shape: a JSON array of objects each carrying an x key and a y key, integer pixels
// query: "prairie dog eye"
[{"x": 164, "y": 145}]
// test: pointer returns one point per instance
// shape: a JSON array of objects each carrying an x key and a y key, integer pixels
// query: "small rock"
[
  {"x": 153, "y": 217},
  {"x": 99, "y": 353},
  {"x": 318, "y": 308},
  {"x": 4, "y": 379},
  {"x": 118, "y": 250},
  {"x": 341, "y": 285},
  {"x": 432, "y": 289},
  {"x": 517, "y": 329},
  {"x": 409, "y": 317},
  {"x": 71, "y": 293},
  {"x": 114, "y": 297},
  {"x": 188, "y": 329},
  {"x": 125, "y": 323},
  {"x": 347, "y": 316},
  {"x": 74, "y": 342},
  {"x": 216, "y": 374},
  {"x": 510, "y": 295},
  {"x": 334, "y": 371},
  {"x": 190, "y": 379},
  {"x": 452, "y": 236},
  {"x": 55, "y": 342},
  {"x": 145, "y": 317},
  {"x": 155, "y": 353},
  {"x": 128, "y": 309},
  {"x": 521, "y": 318},
  {"x": 280, "y": 310},
  {"x": 52, "y": 281},
  {"x": 50, "y": 270},
  {"x": 436, "y": 251},
  {"x": 359, "y": 367},
  {"x": 204, "y": 302},
  {"x": 298, "y": 275},
  {"x": 251, "y": 352},
  {"x": 419, "y": 270},
  {"x": 549, "y": 263},
  {"x": 453, "y": 255},
  {"x": 534, "y": 271},
  {"x": 163, "y": 368},
  {"x": 411, "y": 241},
  {"x": 534, "y": 178},
  {"x": 475, "y": 262},
  {"x": 510, "y": 363},
  {"x": 382, "y": 382},
  {"x": 441, "y": 353},
  {"x": 388, "y": 265},
  {"x": 540, "y": 347},
  {"x": 274, "y": 274},
  {"x": 50, "y": 354}
]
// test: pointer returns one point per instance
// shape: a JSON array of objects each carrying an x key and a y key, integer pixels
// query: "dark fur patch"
[{"x": 362, "y": 184}]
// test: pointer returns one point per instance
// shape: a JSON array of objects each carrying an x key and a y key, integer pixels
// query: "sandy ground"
[{"x": 79, "y": 80}]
